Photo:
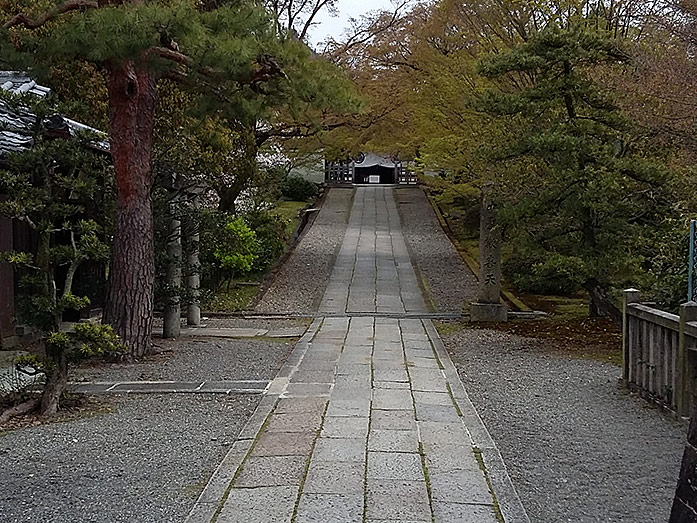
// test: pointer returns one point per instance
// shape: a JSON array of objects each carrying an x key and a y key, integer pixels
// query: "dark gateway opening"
[{"x": 375, "y": 174}]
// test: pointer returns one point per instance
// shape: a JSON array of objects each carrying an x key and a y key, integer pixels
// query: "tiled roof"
[
  {"x": 15, "y": 123},
  {"x": 19, "y": 83}
]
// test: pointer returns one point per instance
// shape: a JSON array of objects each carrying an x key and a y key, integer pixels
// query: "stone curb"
[
  {"x": 214, "y": 493},
  {"x": 234, "y": 333},
  {"x": 170, "y": 387},
  {"x": 509, "y": 502}
]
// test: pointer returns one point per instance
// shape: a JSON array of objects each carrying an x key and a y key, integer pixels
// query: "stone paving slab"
[
  {"x": 330, "y": 508},
  {"x": 368, "y": 453},
  {"x": 272, "y": 471},
  {"x": 261, "y": 505}
]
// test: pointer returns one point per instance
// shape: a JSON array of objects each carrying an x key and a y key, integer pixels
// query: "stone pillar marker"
[
  {"x": 171, "y": 326},
  {"x": 193, "y": 278},
  {"x": 488, "y": 306}
]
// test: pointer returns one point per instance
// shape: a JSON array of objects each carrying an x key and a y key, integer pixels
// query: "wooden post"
[
  {"x": 630, "y": 296},
  {"x": 688, "y": 313}
]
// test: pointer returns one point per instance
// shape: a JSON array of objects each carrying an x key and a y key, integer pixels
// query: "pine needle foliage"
[{"x": 578, "y": 189}]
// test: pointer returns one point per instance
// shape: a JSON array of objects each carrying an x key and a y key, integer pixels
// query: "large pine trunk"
[
  {"x": 684, "y": 508},
  {"x": 600, "y": 304},
  {"x": 129, "y": 305}
]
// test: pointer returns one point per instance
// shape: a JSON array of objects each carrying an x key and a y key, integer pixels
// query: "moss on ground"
[{"x": 236, "y": 299}]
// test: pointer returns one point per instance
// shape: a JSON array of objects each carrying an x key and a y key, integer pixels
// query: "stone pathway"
[
  {"x": 368, "y": 421},
  {"x": 373, "y": 272}
]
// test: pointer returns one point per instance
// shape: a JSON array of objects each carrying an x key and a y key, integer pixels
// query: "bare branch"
[
  {"x": 319, "y": 5},
  {"x": 170, "y": 54},
  {"x": 364, "y": 34},
  {"x": 22, "y": 19}
]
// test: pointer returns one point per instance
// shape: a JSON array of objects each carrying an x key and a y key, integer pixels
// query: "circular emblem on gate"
[{"x": 360, "y": 158}]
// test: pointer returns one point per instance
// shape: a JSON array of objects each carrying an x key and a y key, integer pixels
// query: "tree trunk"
[
  {"x": 20, "y": 410},
  {"x": 56, "y": 381},
  {"x": 600, "y": 304},
  {"x": 685, "y": 502},
  {"x": 129, "y": 304}
]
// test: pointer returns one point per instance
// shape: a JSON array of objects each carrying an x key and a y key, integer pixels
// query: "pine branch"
[
  {"x": 171, "y": 54},
  {"x": 22, "y": 19}
]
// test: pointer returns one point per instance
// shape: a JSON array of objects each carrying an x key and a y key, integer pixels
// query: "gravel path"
[
  {"x": 146, "y": 463},
  {"x": 577, "y": 448},
  {"x": 300, "y": 283},
  {"x": 202, "y": 359},
  {"x": 451, "y": 284}
]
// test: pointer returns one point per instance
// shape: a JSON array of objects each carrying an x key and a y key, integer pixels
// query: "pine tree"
[
  {"x": 50, "y": 187},
  {"x": 578, "y": 193},
  {"x": 227, "y": 54}
]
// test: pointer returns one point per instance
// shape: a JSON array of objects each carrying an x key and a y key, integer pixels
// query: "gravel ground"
[
  {"x": 145, "y": 463},
  {"x": 300, "y": 283},
  {"x": 149, "y": 459},
  {"x": 577, "y": 447},
  {"x": 202, "y": 359},
  {"x": 451, "y": 284}
]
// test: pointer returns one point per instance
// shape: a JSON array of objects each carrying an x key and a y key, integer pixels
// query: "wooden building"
[
  {"x": 16, "y": 235},
  {"x": 368, "y": 168}
]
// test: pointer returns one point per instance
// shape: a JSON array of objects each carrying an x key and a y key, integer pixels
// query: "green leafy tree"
[
  {"x": 237, "y": 250},
  {"x": 271, "y": 233},
  {"x": 48, "y": 187},
  {"x": 577, "y": 187}
]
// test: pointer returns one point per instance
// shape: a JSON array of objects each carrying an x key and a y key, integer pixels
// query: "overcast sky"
[{"x": 334, "y": 26}]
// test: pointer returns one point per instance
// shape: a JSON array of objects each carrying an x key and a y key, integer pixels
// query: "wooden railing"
[
  {"x": 338, "y": 172},
  {"x": 406, "y": 176},
  {"x": 660, "y": 353}
]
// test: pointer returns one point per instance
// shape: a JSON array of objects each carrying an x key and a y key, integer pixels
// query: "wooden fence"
[{"x": 660, "y": 353}]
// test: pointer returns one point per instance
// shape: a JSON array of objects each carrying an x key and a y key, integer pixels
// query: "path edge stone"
[
  {"x": 206, "y": 507},
  {"x": 509, "y": 502}
]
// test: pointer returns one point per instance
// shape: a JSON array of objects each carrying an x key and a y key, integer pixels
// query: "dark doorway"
[{"x": 385, "y": 175}]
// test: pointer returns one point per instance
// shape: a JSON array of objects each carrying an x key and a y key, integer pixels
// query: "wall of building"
[{"x": 7, "y": 284}]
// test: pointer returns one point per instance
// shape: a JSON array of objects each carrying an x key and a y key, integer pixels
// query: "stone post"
[
  {"x": 688, "y": 313},
  {"x": 171, "y": 324},
  {"x": 193, "y": 279},
  {"x": 488, "y": 306},
  {"x": 629, "y": 296}
]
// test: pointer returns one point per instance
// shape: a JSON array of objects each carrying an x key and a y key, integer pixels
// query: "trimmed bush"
[{"x": 298, "y": 189}]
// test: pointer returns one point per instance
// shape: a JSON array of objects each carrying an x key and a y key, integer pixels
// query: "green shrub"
[
  {"x": 298, "y": 189},
  {"x": 545, "y": 273},
  {"x": 238, "y": 251},
  {"x": 270, "y": 230}
]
